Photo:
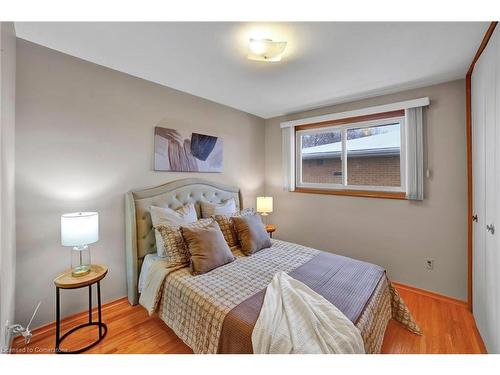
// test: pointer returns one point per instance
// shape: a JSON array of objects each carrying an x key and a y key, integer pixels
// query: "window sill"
[{"x": 354, "y": 193}]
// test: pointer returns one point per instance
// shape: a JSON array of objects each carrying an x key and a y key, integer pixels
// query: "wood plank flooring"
[{"x": 447, "y": 325}]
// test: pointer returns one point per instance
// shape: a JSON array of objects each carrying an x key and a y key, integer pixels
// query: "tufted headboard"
[{"x": 139, "y": 233}]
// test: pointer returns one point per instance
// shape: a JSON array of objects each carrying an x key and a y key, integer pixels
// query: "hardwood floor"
[{"x": 447, "y": 325}]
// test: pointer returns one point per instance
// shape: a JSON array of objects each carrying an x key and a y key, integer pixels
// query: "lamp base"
[
  {"x": 80, "y": 261},
  {"x": 80, "y": 271}
]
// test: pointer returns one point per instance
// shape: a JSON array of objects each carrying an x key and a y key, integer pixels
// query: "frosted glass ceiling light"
[{"x": 265, "y": 50}]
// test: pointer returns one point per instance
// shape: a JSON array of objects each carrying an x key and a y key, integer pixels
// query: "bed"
[{"x": 216, "y": 312}]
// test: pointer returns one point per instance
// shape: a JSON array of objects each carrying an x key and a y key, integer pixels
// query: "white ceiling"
[{"x": 324, "y": 63}]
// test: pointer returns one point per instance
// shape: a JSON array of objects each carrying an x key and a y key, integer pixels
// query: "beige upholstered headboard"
[{"x": 140, "y": 238}]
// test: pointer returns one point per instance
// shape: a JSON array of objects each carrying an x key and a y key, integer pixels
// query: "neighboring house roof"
[{"x": 378, "y": 145}]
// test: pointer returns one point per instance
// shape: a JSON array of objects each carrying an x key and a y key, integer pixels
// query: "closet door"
[
  {"x": 490, "y": 196},
  {"x": 495, "y": 252},
  {"x": 486, "y": 174},
  {"x": 478, "y": 166}
]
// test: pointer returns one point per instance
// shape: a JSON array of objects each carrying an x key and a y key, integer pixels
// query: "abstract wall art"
[{"x": 183, "y": 151}]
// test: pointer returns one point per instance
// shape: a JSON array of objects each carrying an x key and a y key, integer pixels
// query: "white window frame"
[{"x": 344, "y": 128}]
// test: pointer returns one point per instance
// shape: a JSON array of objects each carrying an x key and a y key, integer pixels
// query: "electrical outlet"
[{"x": 429, "y": 264}]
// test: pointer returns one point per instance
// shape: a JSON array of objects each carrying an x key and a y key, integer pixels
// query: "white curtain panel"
[
  {"x": 288, "y": 150},
  {"x": 414, "y": 154}
]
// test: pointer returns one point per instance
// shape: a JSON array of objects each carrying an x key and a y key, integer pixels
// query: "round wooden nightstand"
[
  {"x": 67, "y": 281},
  {"x": 270, "y": 229}
]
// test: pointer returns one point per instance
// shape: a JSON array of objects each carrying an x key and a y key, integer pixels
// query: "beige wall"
[
  {"x": 7, "y": 162},
  {"x": 84, "y": 138},
  {"x": 395, "y": 234}
]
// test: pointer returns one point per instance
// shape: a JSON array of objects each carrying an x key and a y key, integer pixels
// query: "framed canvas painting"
[{"x": 183, "y": 151}]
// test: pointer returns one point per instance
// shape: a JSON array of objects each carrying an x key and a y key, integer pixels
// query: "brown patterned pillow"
[
  {"x": 207, "y": 247},
  {"x": 227, "y": 227},
  {"x": 176, "y": 252},
  {"x": 251, "y": 233}
]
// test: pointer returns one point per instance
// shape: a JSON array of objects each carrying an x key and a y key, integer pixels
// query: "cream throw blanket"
[
  {"x": 296, "y": 319},
  {"x": 151, "y": 291}
]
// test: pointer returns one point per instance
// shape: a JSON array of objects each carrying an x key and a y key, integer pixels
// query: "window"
[
  {"x": 366, "y": 155},
  {"x": 371, "y": 152},
  {"x": 321, "y": 157}
]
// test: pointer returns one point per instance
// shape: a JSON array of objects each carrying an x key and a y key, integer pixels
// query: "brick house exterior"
[{"x": 369, "y": 170}]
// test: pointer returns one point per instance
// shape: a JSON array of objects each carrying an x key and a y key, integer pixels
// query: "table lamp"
[
  {"x": 80, "y": 229},
  {"x": 265, "y": 206}
]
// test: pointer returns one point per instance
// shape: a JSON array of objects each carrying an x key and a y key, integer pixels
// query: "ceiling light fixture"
[{"x": 265, "y": 50}]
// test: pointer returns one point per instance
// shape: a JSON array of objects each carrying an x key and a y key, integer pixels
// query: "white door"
[
  {"x": 490, "y": 194},
  {"x": 486, "y": 174},
  {"x": 496, "y": 249},
  {"x": 478, "y": 168}
]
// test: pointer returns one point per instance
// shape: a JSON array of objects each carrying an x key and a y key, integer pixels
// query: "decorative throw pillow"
[
  {"x": 227, "y": 227},
  {"x": 209, "y": 209},
  {"x": 175, "y": 250},
  {"x": 251, "y": 233},
  {"x": 207, "y": 247},
  {"x": 160, "y": 215}
]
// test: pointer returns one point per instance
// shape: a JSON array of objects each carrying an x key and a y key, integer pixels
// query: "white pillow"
[
  {"x": 225, "y": 208},
  {"x": 159, "y": 215}
]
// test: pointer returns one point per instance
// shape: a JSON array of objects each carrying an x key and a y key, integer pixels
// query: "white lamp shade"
[
  {"x": 79, "y": 228},
  {"x": 265, "y": 204}
]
